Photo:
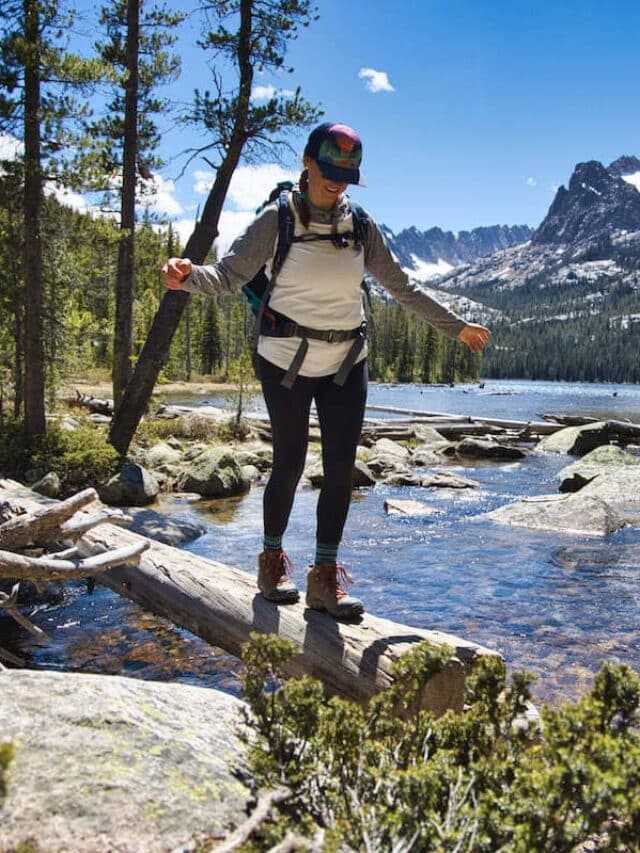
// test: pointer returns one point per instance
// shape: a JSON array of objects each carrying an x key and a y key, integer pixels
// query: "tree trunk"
[
  {"x": 187, "y": 343},
  {"x": 155, "y": 351},
  {"x": 122, "y": 340},
  {"x": 32, "y": 208}
]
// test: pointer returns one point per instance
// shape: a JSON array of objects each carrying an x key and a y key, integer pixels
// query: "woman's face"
[{"x": 323, "y": 192}]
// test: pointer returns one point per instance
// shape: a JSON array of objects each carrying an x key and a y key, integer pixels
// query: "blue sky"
[{"x": 488, "y": 107}]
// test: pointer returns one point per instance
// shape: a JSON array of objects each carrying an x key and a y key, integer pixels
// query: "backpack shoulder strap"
[
  {"x": 286, "y": 228},
  {"x": 360, "y": 222}
]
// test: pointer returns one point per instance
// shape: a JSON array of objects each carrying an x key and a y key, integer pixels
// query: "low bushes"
[{"x": 392, "y": 777}]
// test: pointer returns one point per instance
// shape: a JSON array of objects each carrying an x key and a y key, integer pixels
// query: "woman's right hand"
[{"x": 175, "y": 271}]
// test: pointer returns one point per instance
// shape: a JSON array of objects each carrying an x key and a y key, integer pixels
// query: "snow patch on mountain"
[
  {"x": 633, "y": 179},
  {"x": 423, "y": 271}
]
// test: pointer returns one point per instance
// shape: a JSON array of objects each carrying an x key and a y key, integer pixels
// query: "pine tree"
[
  {"x": 37, "y": 76},
  {"x": 127, "y": 137},
  {"x": 252, "y": 34}
]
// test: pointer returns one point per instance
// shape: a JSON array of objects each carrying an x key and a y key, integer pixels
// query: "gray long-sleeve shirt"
[{"x": 256, "y": 246}]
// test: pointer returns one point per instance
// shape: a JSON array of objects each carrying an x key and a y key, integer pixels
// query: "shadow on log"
[{"x": 221, "y": 604}]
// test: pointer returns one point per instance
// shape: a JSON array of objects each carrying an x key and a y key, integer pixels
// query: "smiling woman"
[{"x": 312, "y": 346}]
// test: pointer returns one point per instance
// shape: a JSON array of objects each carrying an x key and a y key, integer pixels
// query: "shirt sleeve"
[
  {"x": 247, "y": 255},
  {"x": 383, "y": 266}
]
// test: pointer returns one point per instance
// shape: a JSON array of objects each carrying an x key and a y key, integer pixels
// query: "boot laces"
[
  {"x": 284, "y": 567},
  {"x": 340, "y": 580}
]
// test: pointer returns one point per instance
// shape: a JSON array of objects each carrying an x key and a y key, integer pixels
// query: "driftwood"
[
  {"x": 222, "y": 605},
  {"x": 30, "y": 532},
  {"x": 542, "y": 427},
  {"x": 88, "y": 401},
  {"x": 267, "y": 802}
]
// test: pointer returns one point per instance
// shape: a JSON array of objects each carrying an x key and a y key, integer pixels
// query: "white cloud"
[
  {"x": 250, "y": 186},
  {"x": 203, "y": 181},
  {"x": 69, "y": 198},
  {"x": 265, "y": 93},
  {"x": 161, "y": 198},
  {"x": 531, "y": 182},
  {"x": 232, "y": 223},
  {"x": 376, "y": 81},
  {"x": 10, "y": 147}
]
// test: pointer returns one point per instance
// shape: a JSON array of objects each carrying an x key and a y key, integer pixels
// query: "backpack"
[{"x": 258, "y": 290}]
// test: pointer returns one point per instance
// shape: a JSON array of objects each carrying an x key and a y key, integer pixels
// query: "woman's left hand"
[{"x": 474, "y": 336}]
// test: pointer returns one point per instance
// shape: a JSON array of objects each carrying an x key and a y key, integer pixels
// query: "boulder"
[
  {"x": 620, "y": 490},
  {"x": 49, "y": 485},
  {"x": 446, "y": 480},
  {"x": 488, "y": 448},
  {"x": 577, "y": 513},
  {"x": 402, "y": 478},
  {"x": 362, "y": 476},
  {"x": 411, "y": 509},
  {"x": 428, "y": 455},
  {"x": 602, "y": 460},
  {"x": 69, "y": 424},
  {"x": 576, "y": 440},
  {"x": 133, "y": 485},
  {"x": 104, "y": 763},
  {"x": 251, "y": 473},
  {"x": 162, "y": 455},
  {"x": 170, "y": 530},
  {"x": 214, "y": 473},
  {"x": 261, "y": 458},
  {"x": 384, "y": 447},
  {"x": 427, "y": 435}
]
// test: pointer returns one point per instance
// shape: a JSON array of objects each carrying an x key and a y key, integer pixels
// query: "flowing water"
[{"x": 552, "y": 603}]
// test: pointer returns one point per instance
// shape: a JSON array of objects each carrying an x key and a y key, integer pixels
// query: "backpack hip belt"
[{"x": 276, "y": 325}]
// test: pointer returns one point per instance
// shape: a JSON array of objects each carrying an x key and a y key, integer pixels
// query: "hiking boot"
[
  {"x": 325, "y": 591},
  {"x": 274, "y": 577}
]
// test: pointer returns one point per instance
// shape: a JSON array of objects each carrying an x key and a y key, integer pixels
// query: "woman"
[{"x": 311, "y": 348}]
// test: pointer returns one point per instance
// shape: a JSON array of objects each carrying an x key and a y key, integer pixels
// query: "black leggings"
[{"x": 340, "y": 412}]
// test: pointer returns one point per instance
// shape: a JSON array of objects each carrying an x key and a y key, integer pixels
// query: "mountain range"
[{"x": 563, "y": 300}]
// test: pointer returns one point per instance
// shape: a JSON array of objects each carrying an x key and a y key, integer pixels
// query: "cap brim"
[{"x": 341, "y": 176}]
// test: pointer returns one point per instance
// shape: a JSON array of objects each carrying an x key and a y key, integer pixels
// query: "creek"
[{"x": 554, "y": 604}]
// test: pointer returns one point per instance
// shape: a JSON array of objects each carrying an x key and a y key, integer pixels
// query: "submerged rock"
[
  {"x": 169, "y": 530},
  {"x": 488, "y": 448},
  {"x": 446, "y": 480},
  {"x": 412, "y": 509},
  {"x": 602, "y": 460},
  {"x": 105, "y": 763},
  {"x": 577, "y": 513}
]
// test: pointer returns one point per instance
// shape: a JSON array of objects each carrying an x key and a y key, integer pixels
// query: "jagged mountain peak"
[
  {"x": 596, "y": 203},
  {"x": 625, "y": 165}
]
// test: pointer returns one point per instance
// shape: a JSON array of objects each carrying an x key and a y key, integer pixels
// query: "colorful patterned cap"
[{"x": 337, "y": 150}]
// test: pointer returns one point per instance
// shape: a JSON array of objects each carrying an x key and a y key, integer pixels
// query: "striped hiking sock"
[
  {"x": 326, "y": 553},
  {"x": 272, "y": 543}
]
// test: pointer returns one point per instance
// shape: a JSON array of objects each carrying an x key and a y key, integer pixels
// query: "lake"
[{"x": 556, "y": 605}]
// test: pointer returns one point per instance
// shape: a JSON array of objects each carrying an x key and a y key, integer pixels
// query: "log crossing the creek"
[{"x": 221, "y": 604}]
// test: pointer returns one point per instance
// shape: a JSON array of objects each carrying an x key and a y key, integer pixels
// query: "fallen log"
[
  {"x": 222, "y": 605},
  {"x": 88, "y": 401},
  {"x": 543, "y": 427}
]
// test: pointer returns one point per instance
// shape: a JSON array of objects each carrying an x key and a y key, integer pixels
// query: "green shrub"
[
  {"x": 392, "y": 777},
  {"x": 81, "y": 458},
  {"x": 192, "y": 427},
  {"x": 6, "y": 754}
]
